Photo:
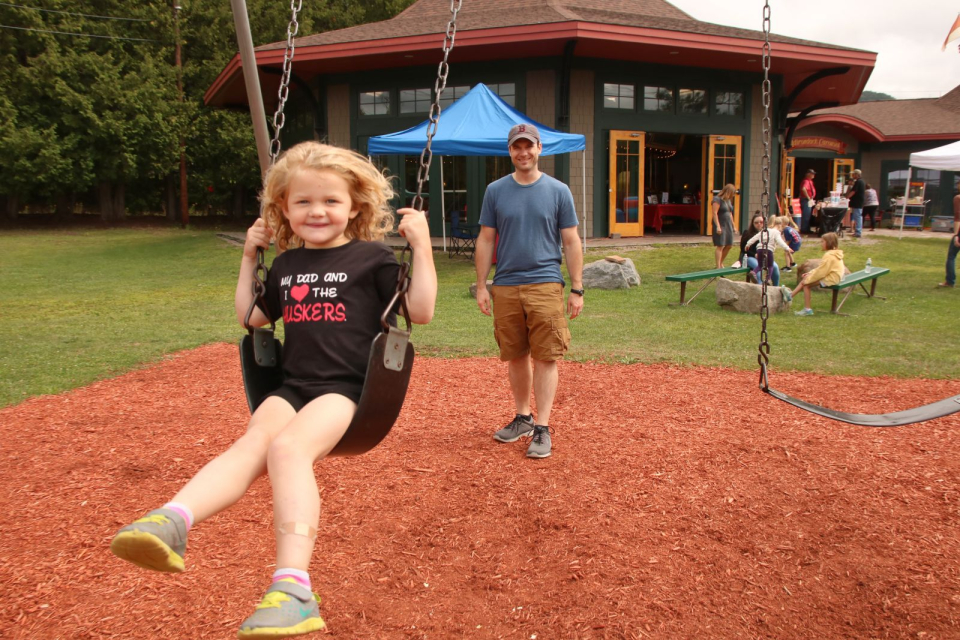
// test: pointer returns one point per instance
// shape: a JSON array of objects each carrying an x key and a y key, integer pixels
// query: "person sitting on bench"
[{"x": 829, "y": 272}]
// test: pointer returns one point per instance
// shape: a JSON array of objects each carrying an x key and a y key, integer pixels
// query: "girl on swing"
[{"x": 325, "y": 207}]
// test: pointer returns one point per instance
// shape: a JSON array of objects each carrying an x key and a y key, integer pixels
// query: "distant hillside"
[{"x": 873, "y": 96}]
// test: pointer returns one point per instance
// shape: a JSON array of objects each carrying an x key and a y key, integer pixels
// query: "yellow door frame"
[
  {"x": 710, "y": 144},
  {"x": 842, "y": 169},
  {"x": 625, "y": 229}
]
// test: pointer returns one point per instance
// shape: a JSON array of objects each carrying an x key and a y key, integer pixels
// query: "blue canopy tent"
[{"x": 477, "y": 125}]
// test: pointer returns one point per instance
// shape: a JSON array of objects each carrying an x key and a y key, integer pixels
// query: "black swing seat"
[
  {"x": 388, "y": 376},
  {"x": 260, "y": 363},
  {"x": 940, "y": 409}
]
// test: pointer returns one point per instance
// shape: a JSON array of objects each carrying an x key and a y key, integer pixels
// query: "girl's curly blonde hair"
[{"x": 370, "y": 191}]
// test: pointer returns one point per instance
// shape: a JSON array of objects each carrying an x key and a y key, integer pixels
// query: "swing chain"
[
  {"x": 284, "y": 91},
  {"x": 434, "y": 117},
  {"x": 261, "y": 272},
  {"x": 763, "y": 351}
]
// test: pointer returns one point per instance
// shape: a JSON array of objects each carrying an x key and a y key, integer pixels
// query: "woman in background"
[{"x": 722, "y": 210}]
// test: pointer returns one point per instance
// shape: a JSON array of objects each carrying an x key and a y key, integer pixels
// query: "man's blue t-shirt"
[{"x": 528, "y": 218}]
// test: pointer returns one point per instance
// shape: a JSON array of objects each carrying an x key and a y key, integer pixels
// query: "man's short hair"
[{"x": 857, "y": 172}]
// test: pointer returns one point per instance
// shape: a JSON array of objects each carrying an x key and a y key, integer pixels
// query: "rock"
[
  {"x": 811, "y": 264},
  {"x": 745, "y": 297},
  {"x": 473, "y": 288},
  {"x": 607, "y": 274}
]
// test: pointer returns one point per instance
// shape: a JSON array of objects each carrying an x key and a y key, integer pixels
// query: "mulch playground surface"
[{"x": 679, "y": 503}]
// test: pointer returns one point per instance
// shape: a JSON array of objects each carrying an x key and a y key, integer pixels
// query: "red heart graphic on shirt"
[{"x": 300, "y": 292}]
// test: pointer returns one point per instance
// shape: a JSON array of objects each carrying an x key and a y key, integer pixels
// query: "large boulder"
[
  {"x": 612, "y": 272},
  {"x": 812, "y": 263},
  {"x": 745, "y": 297},
  {"x": 473, "y": 288}
]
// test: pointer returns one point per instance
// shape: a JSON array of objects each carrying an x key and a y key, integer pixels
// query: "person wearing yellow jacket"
[{"x": 829, "y": 272}]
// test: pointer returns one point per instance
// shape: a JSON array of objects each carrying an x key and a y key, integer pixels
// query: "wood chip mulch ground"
[{"x": 679, "y": 503}]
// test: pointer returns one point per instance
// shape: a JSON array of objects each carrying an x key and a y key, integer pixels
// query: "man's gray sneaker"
[
  {"x": 156, "y": 541},
  {"x": 287, "y": 609},
  {"x": 540, "y": 445},
  {"x": 521, "y": 426}
]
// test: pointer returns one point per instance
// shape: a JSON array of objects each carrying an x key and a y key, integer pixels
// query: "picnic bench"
[
  {"x": 850, "y": 281},
  {"x": 709, "y": 275}
]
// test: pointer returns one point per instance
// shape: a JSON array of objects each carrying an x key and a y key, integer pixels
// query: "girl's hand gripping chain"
[
  {"x": 259, "y": 235},
  {"x": 422, "y": 295}
]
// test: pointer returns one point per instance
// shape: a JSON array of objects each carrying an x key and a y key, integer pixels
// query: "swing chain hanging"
[
  {"x": 763, "y": 355},
  {"x": 427, "y": 154},
  {"x": 284, "y": 91},
  {"x": 260, "y": 271}
]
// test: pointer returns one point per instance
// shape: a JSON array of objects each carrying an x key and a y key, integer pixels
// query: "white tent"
[{"x": 945, "y": 158}]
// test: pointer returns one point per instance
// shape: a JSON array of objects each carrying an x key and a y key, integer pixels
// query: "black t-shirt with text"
[
  {"x": 330, "y": 301},
  {"x": 856, "y": 194}
]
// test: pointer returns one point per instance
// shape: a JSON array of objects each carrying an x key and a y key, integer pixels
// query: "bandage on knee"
[{"x": 298, "y": 529}]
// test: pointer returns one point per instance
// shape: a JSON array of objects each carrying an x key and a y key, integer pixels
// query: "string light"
[{"x": 661, "y": 154}]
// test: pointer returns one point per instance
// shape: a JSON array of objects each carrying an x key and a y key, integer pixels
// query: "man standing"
[
  {"x": 533, "y": 215},
  {"x": 954, "y": 245},
  {"x": 855, "y": 198},
  {"x": 808, "y": 193}
]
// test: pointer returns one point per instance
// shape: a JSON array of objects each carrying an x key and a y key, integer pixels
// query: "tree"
[
  {"x": 92, "y": 110},
  {"x": 874, "y": 96},
  {"x": 99, "y": 113}
]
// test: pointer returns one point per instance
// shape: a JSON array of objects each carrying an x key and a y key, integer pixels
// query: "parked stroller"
[{"x": 831, "y": 220}]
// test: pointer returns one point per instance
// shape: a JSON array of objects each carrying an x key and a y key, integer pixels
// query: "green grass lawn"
[{"x": 79, "y": 306}]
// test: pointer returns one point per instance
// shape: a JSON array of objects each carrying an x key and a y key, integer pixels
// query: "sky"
[{"x": 906, "y": 36}]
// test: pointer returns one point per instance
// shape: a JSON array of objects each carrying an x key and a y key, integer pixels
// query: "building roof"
[
  {"x": 651, "y": 31},
  {"x": 431, "y": 17},
  {"x": 891, "y": 120}
]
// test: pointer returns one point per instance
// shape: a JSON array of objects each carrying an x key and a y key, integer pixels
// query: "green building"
[{"x": 671, "y": 107}]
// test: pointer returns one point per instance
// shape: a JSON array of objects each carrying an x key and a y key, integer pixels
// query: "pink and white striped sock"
[
  {"x": 302, "y": 577},
  {"x": 183, "y": 510}
]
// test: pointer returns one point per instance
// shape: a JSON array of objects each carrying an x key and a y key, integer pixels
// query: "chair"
[{"x": 463, "y": 237}]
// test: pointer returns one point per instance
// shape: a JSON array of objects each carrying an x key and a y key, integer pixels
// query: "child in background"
[
  {"x": 829, "y": 272},
  {"x": 774, "y": 238},
  {"x": 326, "y": 207},
  {"x": 791, "y": 235}
]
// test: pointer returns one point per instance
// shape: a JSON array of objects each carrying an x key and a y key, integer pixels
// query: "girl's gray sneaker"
[
  {"x": 156, "y": 541},
  {"x": 787, "y": 294},
  {"x": 287, "y": 609}
]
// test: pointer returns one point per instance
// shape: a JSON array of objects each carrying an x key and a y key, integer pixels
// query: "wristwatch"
[{"x": 579, "y": 292}]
